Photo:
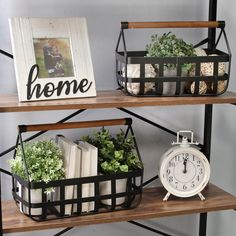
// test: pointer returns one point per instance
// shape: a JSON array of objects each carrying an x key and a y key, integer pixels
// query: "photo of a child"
[{"x": 53, "y": 57}]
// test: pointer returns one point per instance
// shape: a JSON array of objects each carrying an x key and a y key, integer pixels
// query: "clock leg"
[
  {"x": 201, "y": 196},
  {"x": 166, "y": 197}
]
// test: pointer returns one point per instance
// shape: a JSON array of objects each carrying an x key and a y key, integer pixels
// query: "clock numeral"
[
  {"x": 193, "y": 185},
  {"x": 168, "y": 171},
  {"x": 171, "y": 179},
  {"x": 176, "y": 184},
  {"x": 171, "y": 164},
  {"x": 184, "y": 187},
  {"x": 198, "y": 178},
  {"x": 193, "y": 158},
  {"x": 177, "y": 158},
  {"x": 200, "y": 171}
]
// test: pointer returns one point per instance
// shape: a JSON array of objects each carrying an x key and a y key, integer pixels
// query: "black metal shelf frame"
[{"x": 206, "y": 146}]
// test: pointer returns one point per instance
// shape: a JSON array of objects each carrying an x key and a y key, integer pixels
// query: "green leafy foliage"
[
  {"x": 43, "y": 159},
  {"x": 115, "y": 154},
  {"x": 168, "y": 45}
]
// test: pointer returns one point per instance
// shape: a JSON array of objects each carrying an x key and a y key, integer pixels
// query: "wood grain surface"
[
  {"x": 175, "y": 24},
  {"x": 72, "y": 125},
  {"x": 108, "y": 99},
  {"x": 151, "y": 206}
]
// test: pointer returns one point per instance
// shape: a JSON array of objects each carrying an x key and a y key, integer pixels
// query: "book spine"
[
  {"x": 93, "y": 172},
  {"x": 85, "y": 171}
]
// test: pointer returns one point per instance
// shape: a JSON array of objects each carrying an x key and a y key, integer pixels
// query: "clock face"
[{"x": 184, "y": 172}]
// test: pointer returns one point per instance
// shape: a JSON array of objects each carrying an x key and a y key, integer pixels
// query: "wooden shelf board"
[
  {"x": 151, "y": 206},
  {"x": 108, "y": 99}
]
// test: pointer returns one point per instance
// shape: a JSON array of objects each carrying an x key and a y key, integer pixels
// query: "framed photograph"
[{"x": 52, "y": 58}]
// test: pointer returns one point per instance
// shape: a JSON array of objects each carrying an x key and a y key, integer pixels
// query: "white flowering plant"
[{"x": 43, "y": 160}]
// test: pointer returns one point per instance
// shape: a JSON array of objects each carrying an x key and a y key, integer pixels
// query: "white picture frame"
[{"x": 60, "y": 49}]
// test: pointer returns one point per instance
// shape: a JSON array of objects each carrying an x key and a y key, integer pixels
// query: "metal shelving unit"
[
  {"x": 11, "y": 220},
  {"x": 151, "y": 205}
]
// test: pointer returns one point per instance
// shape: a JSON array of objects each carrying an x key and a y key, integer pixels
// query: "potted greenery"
[
  {"x": 115, "y": 155},
  {"x": 44, "y": 164},
  {"x": 168, "y": 45}
]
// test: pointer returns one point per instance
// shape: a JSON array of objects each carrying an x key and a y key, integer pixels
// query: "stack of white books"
[{"x": 80, "y": 160}]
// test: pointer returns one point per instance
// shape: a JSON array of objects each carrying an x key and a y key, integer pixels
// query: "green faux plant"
[
  {"x": 115, "y": 154},
  {"x": 43, "y": 159},
  {"x": 168, "y": 45}
]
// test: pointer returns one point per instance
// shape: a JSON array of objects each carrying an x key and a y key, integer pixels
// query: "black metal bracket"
[
  {"x": 150, "y": 180},
  {"x": 6, "y": 53},
  {"x": 149, "y": 228},
  {"x": 151, "y": 123},
  {"x": 63, "y": 231}
]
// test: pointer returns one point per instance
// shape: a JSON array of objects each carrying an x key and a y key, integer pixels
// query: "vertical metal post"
[
  {"x": 208, "y": 109},
  {"x": 212, "y": 17},
  {"x": 1, "y": 230},
  {"x": 207, "y": 130},
  {"x": 207, "y": 151},
  {"x": 203, "y": 224}
]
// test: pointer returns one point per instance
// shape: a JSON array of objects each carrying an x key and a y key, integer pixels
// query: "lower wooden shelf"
[{"x": 151, "y": 206}]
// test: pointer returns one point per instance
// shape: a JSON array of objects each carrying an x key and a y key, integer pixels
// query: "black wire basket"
[
  {"x": 139, "y": 75},
  {"x": 46, "y": 206}
]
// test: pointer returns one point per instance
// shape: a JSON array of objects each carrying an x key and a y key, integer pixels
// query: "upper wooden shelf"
[
  {"x": 108, "y": 99},
  {"x": 151, "y": 206}
]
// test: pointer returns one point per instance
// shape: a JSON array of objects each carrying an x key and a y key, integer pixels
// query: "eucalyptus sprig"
[{"x": 115, "y": 154}]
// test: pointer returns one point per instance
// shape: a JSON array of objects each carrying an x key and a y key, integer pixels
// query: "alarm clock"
[{"x": 184, "y": 170}]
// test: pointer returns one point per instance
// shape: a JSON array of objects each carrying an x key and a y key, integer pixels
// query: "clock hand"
[{"x": 185, "y": 165}]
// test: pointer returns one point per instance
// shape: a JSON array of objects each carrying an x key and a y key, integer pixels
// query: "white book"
[
  {"x": 93, "y": 170},
  {"x": 85, "y": 171},
  {"x": 70, "y": 153},
  {"x": 77, "y": 174}
]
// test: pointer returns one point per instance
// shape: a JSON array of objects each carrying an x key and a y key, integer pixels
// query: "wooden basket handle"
[
  {"x": 74, "y": 125},
  {"x": 173, "y": 24}
]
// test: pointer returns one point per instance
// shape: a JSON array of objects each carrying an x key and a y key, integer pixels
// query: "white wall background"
[{"x": 103, "y": 19}]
